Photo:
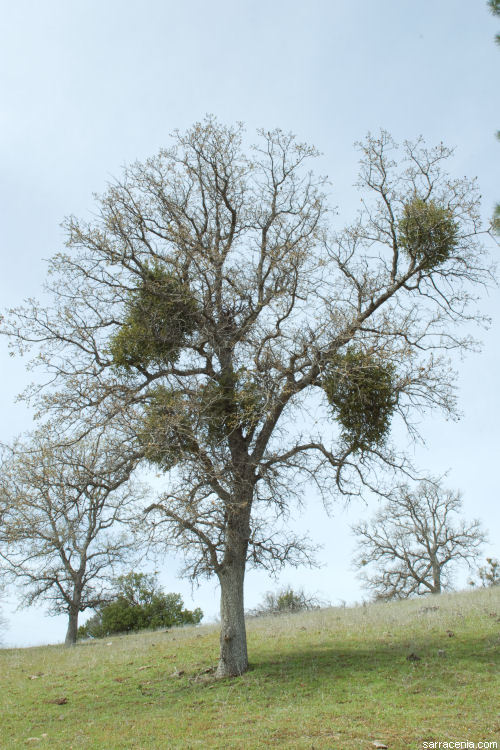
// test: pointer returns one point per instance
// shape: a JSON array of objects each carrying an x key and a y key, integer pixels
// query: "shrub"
[
  {"x": 138, "y": 604},
  {"x": 284, "y": 601}
]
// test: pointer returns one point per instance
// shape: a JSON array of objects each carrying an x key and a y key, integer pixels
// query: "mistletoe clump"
[
  {"x": 165, "y": 434},
  {"x": 230, "y": 403},
  {"x": 161, "y": 313},
  {"x": 428, "y": 232},
  {"x": 360, "y": 388}
]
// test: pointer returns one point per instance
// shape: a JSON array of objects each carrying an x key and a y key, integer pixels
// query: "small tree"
[
  {"x": 414, "y": 541},
  {"x": 135, "y": 604},
  {"x": 63, "y": 508}
]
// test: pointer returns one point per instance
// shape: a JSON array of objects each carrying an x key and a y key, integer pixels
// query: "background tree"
[
  {"x": 136, "y": 603},
  {"x": 414, "y": 541},
  {"x": 63, "y": 510},
  {"x": 489, "y": 574},
  {"x": 209, "y": 309},
  {"x": 494, "y": 6}
]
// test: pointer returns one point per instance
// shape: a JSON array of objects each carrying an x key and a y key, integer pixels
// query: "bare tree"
[
  {"x": 63, "y": 509},
  {"x": 414, "y": 541},
  {"x": 494, "y": 6},
  {"x": 209, "y": 311}
]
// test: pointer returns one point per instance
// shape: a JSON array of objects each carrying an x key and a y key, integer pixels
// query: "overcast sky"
[{"x": 87, "y": 87}]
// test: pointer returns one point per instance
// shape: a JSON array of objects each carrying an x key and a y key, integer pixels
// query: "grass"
[{"x": 334, "y": 678}]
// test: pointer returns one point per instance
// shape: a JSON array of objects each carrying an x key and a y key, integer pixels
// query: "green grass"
[{"x": 335, "y": 678}]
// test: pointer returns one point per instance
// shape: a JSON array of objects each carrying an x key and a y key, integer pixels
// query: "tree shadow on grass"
[
  {"x": 437, "y": 659},
  {"x": 438, "y": 649},
  {"x": 433, "y": 656}
]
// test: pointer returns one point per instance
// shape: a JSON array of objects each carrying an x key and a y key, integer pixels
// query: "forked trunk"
[
  {"x": 233, "y": 639},
  {"x": 72, "y": 631}
]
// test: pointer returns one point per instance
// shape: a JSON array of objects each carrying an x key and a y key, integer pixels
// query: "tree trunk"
[
  {"x": 233, "y": 639},
  {"x": 436, "y": 577},
  {"x": 72, "y": 627}
]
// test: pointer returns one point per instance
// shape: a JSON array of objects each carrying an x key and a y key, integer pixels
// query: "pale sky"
[{"x": 86, "y": 87}]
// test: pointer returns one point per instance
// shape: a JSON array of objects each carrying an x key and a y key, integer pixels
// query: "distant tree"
[
  {"x": 63, "y": 508},
  {"x": 138, "y": 603},
  {"x": 489, "y": 574},
  {"x": 284, "y": 601},
  {"x": 494, "y": 6},
  {"x": 414, "y": 540},
  {"x": 210, "y": 306}
]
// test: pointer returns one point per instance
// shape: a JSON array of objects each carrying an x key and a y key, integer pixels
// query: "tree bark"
[
  {"x": 436, "y": 577},
  {"x": 233, "y": 659},
  {"x": 72, "y": 631}
]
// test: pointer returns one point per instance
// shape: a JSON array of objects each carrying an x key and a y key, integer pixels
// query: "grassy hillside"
[{"x": 336, "y": 678}]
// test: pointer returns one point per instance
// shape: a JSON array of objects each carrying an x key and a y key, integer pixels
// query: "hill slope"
[{"x": 403, "y": 673}]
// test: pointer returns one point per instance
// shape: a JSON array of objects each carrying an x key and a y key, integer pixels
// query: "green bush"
[{"x": 138, "y": 604}]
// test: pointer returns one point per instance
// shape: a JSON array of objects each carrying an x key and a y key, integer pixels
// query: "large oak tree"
[{"x": 210, "y": 309}]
